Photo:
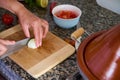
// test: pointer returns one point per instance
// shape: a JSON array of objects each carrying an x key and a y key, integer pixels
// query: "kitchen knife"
[
  {"x": 76, "y": 36},
  {"x": 14, "y": 48}
]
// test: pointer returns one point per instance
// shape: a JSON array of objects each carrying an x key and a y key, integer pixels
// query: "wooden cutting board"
[{"x": 38, "y": 61}]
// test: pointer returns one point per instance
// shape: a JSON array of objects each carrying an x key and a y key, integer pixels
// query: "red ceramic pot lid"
[
  {"x": 81, "y": 57},
  {"x": 99, "y": 55}
]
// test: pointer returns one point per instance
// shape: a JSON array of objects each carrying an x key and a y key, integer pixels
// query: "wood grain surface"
[{"x": 38, "y": 61}]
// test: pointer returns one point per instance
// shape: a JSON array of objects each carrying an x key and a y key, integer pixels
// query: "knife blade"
[{"x": 14, "y": 48}]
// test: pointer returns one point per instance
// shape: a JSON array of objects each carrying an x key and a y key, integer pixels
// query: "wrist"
[
  {"x": 12, "y": 5},
  {"x": 16, "y": 7}
]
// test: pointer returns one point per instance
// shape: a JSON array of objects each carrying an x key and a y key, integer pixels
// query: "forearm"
[{"x": 12, "y": 5}]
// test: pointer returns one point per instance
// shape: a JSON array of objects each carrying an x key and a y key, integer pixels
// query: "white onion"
[{"x": 31, "y": 43}]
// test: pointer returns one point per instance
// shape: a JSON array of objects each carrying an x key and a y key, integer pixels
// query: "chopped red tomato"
[{"x": 65, "y": 14}]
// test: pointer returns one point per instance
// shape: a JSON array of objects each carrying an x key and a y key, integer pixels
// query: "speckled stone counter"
[{"x": 94, "y": 18}]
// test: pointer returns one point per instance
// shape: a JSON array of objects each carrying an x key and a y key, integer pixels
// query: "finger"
[
  {"x": 45, "y": 26},
  {"x": 7, "y": 42},
  {"x": 3, "y": 49},
  {"x": 38, "y": 34},
  {"x": 41, "y": 35},
  {"x": 26, "y": 30},
  {"x": 45, "y": 21}
]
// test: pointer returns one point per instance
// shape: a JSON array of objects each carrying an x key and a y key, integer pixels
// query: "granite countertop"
[{"x": 94, "y": 18}]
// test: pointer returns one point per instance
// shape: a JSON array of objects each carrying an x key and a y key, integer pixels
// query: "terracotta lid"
[{"x": 98, "y": 55}]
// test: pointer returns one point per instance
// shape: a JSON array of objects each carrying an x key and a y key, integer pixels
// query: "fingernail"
[
  {"x": 37, "y": 45},
  {"x": 40, "y": 44}
]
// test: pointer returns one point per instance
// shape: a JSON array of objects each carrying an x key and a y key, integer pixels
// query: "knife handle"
[{"x": 76, "y": 34}]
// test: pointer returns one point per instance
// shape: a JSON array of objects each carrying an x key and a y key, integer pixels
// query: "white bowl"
[{"x": 66, "y": 23}]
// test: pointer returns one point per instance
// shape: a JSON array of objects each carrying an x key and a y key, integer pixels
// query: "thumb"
[
  {"x": 3, "y": 49},
  {"x": 7, "y": 42}
]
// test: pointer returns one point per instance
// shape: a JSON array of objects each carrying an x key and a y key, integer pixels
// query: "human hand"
[
  {"x": 39, "y": 26},
  {"x": 3, "y": 44},
  {"x": 27, "y": 20}
]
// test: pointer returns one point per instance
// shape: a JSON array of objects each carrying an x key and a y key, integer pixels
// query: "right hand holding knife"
[{"x": 3, "y": 44}]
